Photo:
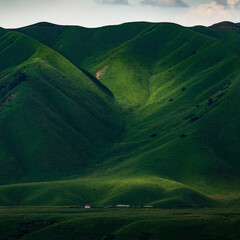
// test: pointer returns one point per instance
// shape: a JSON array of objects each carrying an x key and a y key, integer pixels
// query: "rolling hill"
[
  {"x": 49, "y": 112},
  {"x": 139, "y": 113}
]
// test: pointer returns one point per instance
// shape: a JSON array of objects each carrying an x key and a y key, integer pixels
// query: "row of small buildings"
[{"x": 117, "y": 206}]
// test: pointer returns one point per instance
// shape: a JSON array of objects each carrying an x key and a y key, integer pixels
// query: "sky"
[{"x": 95, "y": 13}]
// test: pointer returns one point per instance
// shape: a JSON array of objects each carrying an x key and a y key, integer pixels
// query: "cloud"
[
  {"x": 207, "y": 14},
  {"x": 124, "y": 2},
  {"x": 165, "y": 3},
  {"x": 232, "y": 4},
  {"x": 8, "y": 4}
]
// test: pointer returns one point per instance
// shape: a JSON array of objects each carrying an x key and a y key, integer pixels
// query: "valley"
[{"x": 139, "y": 113}]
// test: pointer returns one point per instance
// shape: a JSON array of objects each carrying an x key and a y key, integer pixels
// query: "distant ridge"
[
  {"x": 42, "y": 24},
  {"x": 226, "y": 25}
]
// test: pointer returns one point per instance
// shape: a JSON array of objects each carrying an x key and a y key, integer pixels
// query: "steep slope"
[
  {"x": 178, "y": 88},
  {"x": 187, "y": 127},
  {"x": 227, "y": 32},
  {"x": 85, "y": 47},
  {"x": 79, "y": 43},
  {"x": 54, "y": 119}
]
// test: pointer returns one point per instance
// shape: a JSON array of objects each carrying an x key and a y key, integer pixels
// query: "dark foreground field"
[{"x": 72, "y": 223}]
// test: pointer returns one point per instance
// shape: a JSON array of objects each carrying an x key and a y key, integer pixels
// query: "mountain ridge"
[{"x": 157, "y": 116}]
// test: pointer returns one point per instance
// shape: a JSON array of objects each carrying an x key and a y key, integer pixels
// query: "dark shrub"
[
  {"x": 153, "y": 135},
  {"x": 220, "y": 95},
  {"x": 194, "y": 119},
  {"x": 183, "y": 135},
  {"x": 210, "y": 101}
]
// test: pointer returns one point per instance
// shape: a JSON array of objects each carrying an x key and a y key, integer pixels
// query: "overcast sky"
[{"x": 94, "y": 13}]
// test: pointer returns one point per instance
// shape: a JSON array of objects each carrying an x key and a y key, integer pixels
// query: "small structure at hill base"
[
  {"x": 122, "y": 206},
  {"x": 147, "y": 206},
  {"x": 87, "y": 206}
]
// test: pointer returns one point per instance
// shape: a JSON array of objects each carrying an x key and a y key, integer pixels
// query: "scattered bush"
[
  {"x": 210, "y": 101},
  {"x": 220, "y": 95},
  {"x": 183, "y": 135},
  {"x": 194, "y": 119},
  {"x": 153, "y": 135},
  {"x": 225, "y": 87}
]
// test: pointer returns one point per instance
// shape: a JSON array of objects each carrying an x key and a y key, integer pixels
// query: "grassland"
[
  {"x": 138, "y": 113},
  {"x": 57, "y": 114},
  {"x": 75, "y": 223}
]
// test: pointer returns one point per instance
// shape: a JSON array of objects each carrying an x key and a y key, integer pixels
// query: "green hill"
[
  {"x": 54, "y": 119},
  {"x": 139, "y": 113}
]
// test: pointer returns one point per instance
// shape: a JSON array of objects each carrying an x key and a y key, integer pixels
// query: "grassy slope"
[
  {"x": 58, "y": 120},
  {"x": 182, "y": 70},
  {"x": 78, "y": 43},
  {"x": 178, "y": 89},
  {"x": 85, "y": 47},
  {"x": 227, "y": 32},
  {"x": 74, "y": 223}
]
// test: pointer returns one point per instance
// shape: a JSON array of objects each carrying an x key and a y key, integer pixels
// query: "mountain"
[
  {"x": 227, "y": 32},
  {"x": 54, "y": 117},
  {"x": 140, "y": 113}
]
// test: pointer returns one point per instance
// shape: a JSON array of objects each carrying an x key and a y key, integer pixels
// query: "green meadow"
[{"x": 144, "y": 224}]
